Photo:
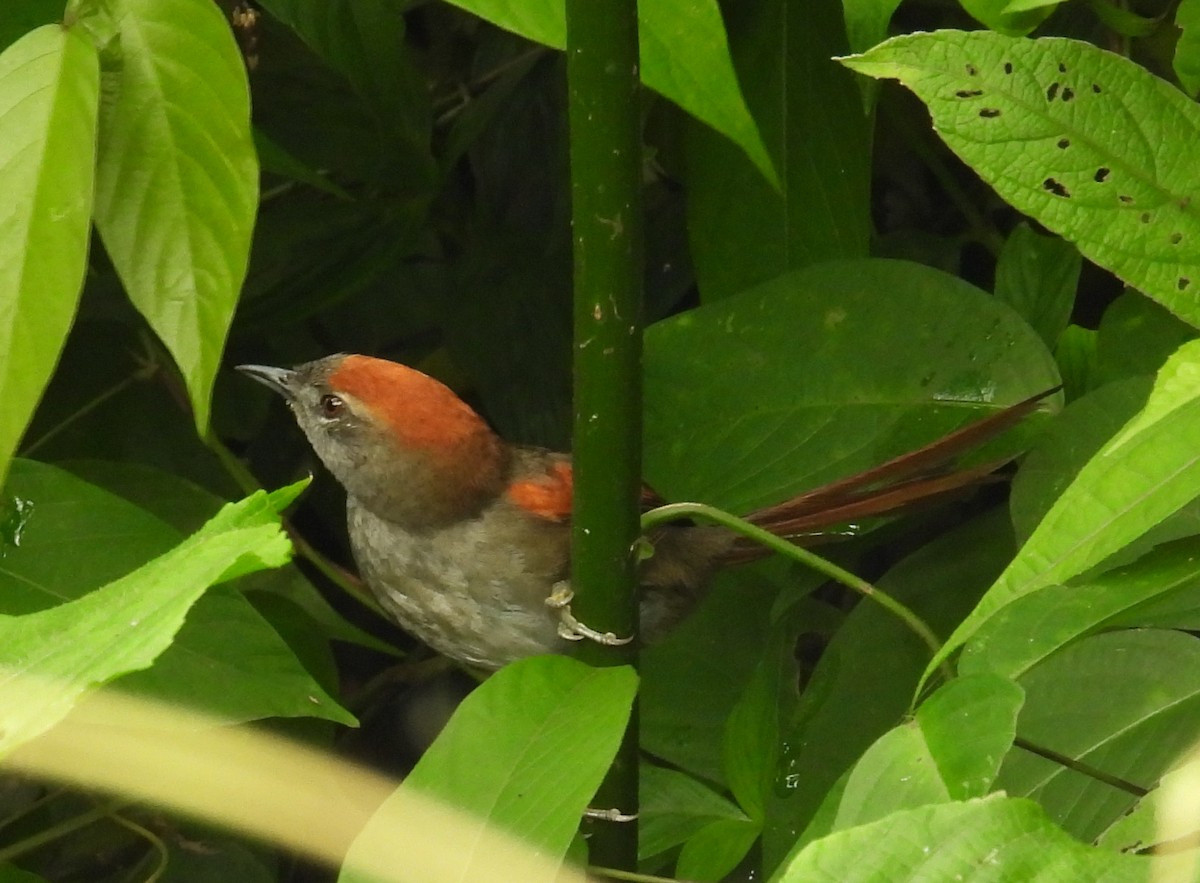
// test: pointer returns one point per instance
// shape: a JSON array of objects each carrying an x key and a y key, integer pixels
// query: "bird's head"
[{"x": 403, "y": 444}]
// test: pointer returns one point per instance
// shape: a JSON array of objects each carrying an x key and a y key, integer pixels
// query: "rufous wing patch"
[{"x": 546, "y": 496}]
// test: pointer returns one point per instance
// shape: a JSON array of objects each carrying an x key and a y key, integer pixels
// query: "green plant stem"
[
  {"x": 674, "y": 511},
  {"x": 155, "y": 842},
  {"x": 116, "y": 389},
  {"x": 606, "y": 215},
  {"x": 62, "y": 829},
  {"x": 29, "y": 810},
  {"x": 1081, "y": 767}
]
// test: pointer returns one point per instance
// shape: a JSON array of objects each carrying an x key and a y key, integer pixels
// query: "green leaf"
[
  {"x": 226, "y": 659},
  {"x": 1187, "y": 49},
  {"x": 863, "y": 685},
  {"x": 895, "y": 773},
  {"x": 524, "y": 753},
  {"x": 684, "y": 57},
  {"x": 752, "y": 739},
  {"x": 1036, "y": 275},
  {"x": 1034, "y": 627},
  {"x": 995, "y": 839},
  {"x": 12, "y": 874},
  {"x": 185, "y": 506},
  {"x": 1075, "y": 353},
  {"x": 1149, "y": 470},
  {"x": 1091, "y": 144},
  {"x": 1124, "y": 21},
  {"x": 717, "y": 849},
  {"x": 674, "y": 807},
  {"x": 743, "y": 231},
  {"x": 951, "y": 751},
  {"x": 49, "y": 93},
  {"x": 1014, "y": 19},
  {"x": 1126, "y": 702},
  {"x": 278, "y": 161},
  {"x": 177, "y": 180},
  {"x": 821, "y": 373},
  {"x": 52, "y": 658},
  {"x": 685, "y": 726},
  {"x": 867, "y": 21},
  {"x": 968, "y": 726},
  {"x": 1166, "y": 815},
  {"x": 1069, "y": 442},
  {"x": 1073, "y": 439},
  {"x": 1137, "y": 336}
]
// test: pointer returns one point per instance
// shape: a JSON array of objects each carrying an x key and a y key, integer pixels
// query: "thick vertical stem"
[{"x": 602, "y": 75}]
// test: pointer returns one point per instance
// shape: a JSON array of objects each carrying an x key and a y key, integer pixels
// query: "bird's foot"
[
  {"x": 609, "y": 815},
  {"x": 571, "y": 628}
]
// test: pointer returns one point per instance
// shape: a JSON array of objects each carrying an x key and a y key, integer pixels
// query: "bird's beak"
[{"x": 278, "y": 379}]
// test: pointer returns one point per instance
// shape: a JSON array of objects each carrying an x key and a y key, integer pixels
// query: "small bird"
[{"x": 465, "y": 538}]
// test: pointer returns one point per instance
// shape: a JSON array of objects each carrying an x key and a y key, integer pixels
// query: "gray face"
[
  {"x": 418, "y": 486},
  {"x": 336, "y": 425}
]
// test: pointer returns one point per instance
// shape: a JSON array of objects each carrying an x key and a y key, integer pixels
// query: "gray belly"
[{"x": 459, "y": 591}]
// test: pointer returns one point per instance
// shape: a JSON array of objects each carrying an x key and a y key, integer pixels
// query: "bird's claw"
[
  {"x": 571, "y": 628},
  {"x": 609, "y": 815}
]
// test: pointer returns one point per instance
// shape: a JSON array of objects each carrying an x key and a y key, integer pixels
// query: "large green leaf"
[
  {"x": 49, "y": 93},
  {"x": 1035, "y": 626},
  {"x": 684, "y": 57},
  {"x": 226, "y": 659},
  {"x": 1148, "y": 471},
  {"x": 1125, "y": 702},
  {"x": 995, "y": 839},
  {"x": 186, "y": 506},
  {"x": 177, "y": 180},
  {"x": 823, "y": 372},
  {"x": 1166, "y": 815},
  {"x": 50, "y": 659},
  {"x": 743, "y": 231},
  {"x": 863, "y": 685},
  {"x": 524, "y": 753},
  {"x": 1091, "y": 144},
  {"x": 950, "y": 751},
  {"x": 1069, "y": 442}
]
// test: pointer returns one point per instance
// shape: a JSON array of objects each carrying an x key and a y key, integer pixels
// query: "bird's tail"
[{"x": 926, "y": 475}]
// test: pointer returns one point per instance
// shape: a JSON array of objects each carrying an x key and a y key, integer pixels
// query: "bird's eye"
[{"x": 331, "y": 405}]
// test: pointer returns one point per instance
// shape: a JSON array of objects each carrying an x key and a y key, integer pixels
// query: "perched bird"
[{"x": 465, "y": 538}]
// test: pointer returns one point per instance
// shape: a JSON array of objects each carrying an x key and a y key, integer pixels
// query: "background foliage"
[{"x": 839, "y": 269}]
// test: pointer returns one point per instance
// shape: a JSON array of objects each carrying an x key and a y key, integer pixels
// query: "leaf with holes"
[{"x": 1090, "y": 144}]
